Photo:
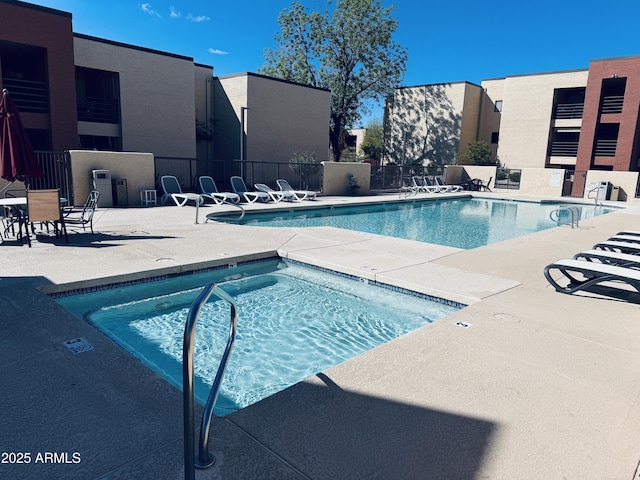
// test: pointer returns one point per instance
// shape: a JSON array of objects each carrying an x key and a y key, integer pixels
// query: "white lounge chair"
[
  {"x": 273, "y": 194},
  {"x": 629, "y": 232},
  {"x": 240, "y": 188},
  {"x": 579, "y": 275},
  {"x": 419, "y": 184},
  {"x": 209, "y": 190},
  {"x": 450, "y": 188},
  {"x": 429, "y": 184},
  {"x": 173, "y": 190},
  {"x": 284, "y": 186},
  {"x": 622, "y": 247},
  {"x": 610, "y": 258}
]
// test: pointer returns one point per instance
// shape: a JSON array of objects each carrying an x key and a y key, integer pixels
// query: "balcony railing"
[
  {"x": 569, "y": 110},
  {"x": 29, "y": 95},
  {"x": 99, "y": 110},
  {"x": 563, "y": 149},
  {"x": 612, "y": 104}
]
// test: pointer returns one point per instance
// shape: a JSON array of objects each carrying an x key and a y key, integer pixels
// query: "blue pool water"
[
  {"x": 293, "y": 322},
  {"x": 461, "y": 223}
]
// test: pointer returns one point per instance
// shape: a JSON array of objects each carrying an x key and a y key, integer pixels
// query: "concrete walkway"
[{"x": 538, "y": 385}]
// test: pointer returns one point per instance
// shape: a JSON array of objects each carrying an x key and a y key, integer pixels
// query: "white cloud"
[
  {"x": 174, "y": 13},
  {"x": 198, "y": 18},
  {"x": 146, "y": 7},
  {"x": 215, "y": 51}
]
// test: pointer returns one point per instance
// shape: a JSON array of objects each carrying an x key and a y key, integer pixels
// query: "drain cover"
[{"x": 78, "y": 345}]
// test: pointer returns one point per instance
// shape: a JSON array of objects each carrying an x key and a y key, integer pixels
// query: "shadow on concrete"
[
  {"x": 326, "y": 432},
  {"x": 95, "y": 240}
]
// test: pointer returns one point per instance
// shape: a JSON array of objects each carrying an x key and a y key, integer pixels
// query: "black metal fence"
[
  {"x": 394, "y": 177},
  {"x": 508, "y": 178},
  {"x": 56, "y": 167},
  {"x": 187, "y": 170}
]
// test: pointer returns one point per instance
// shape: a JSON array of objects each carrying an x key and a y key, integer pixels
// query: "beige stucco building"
[
  {"x": 277, "y": 118},
  {"x": 432, "y": 123}
]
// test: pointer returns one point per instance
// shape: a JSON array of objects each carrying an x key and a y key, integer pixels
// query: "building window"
[
  {"x": 494, "y": 137},
  {"x": 612, "y": 96},
  {"x": 97, "y": 96},
  {"x": 497, "y": 107},
  {"x": 568, "y": 103}
]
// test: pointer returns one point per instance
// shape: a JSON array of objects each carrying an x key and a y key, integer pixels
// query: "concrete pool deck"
[{"x": 524, "y": 383}]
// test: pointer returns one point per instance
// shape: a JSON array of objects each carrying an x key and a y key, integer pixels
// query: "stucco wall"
[
  {"x": 335, "y": 177},
  {"x": 136, "y": 168},
  {"x": 429, "y": 124},
  {"x": 627, "y": 182},
  {"x": 282, "y": 118},
  {"x": 157, "y": 97}
]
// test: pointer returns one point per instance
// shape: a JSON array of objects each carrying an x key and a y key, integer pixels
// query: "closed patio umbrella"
[{"x": 18, "y": 161}]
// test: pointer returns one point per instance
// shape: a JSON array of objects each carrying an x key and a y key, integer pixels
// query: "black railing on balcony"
[
  {"x": 563, "y": 149},
  {"x": 99, "y": 110},
  {"x": 568, "y": 110},
  {"x": 606, "y": 148},
  {"x": 30, "y": 96},
  {"x": 612, "y": 104}
]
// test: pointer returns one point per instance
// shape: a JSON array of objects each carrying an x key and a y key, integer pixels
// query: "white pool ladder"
[{"x": 204, "y": 459}]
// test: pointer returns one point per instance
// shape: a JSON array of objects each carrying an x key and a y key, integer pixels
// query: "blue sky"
[{"x": 447, "y": 41}]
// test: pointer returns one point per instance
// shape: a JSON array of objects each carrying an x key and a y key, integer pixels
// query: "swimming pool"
[
  {"x": 460, "y": 223},
  {"x": 294, "y": 322}
]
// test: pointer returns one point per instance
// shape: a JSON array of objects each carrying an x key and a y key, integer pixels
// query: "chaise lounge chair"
[
  {"x": 417, "y": 185},
  {"x": 209, "y": 190},
  {"x": 579, "y": 275},
  {"x": 438, "y": 189},
  {"x": 449, "y": 188},
  {"x": 622, "y": 247},
  {"x": 240, "y": 188},
  {"x": 284, "y": 186},
  {"x": 610, "y": 258},
  {"x": 173, "y": 190},
  {"x": 625, "y": 238},
  {"x": 274, "y": 195}
]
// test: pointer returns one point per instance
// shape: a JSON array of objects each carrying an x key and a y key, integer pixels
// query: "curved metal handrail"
[
  {"x": 574, "y": 212},
  {"x": 205, "y": 458}
]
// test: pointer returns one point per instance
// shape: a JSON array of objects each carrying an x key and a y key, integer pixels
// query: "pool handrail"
[{"x": 204, "y": 459}]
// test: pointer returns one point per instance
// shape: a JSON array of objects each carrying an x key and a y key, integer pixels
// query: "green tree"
[
  {"x": 372, "y": 142},
  {"x": 478, "y": 153},
  {"x": 348, "y": 50}
]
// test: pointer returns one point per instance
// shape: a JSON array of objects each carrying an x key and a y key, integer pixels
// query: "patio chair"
[
  {"x": 484, "y": 187},
  {"x": 173, "y": 190},
  {"x": 284, "y": 186},
  {"x": 240, "y": 188},
  {"x": 81, "y": 217},
  {"x": 209, "y": 190},
  {"x": 579, "y": 275},
  {"x": 450, "y": 188},
  {"x": 276, "y": 196},
  {"x": 43, "y": 206}
]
